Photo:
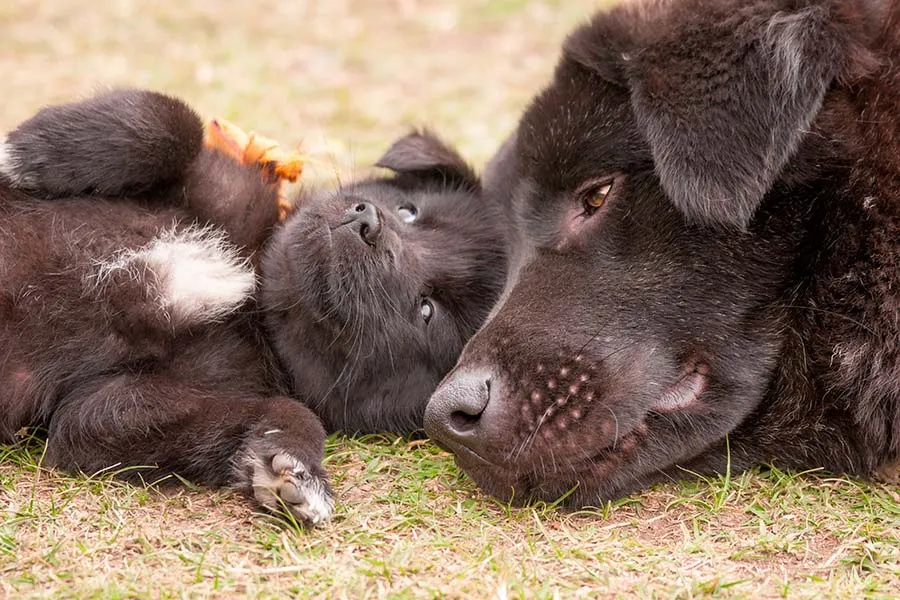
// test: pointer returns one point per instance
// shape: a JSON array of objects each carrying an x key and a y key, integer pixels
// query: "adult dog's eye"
[
  {"x": 407, "y": 214},
  {"x": 426, "y": 309},
  {"x": 594, "y": 196}
]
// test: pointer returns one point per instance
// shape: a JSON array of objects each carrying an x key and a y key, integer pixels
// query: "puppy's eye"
[
  {"x": 426, "y": 309},
  {"x": 594, "y": 196},
  {"x": 407, "y": 214}
]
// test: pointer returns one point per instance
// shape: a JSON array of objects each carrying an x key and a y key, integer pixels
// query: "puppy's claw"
[{"x": 290, "y": 493}]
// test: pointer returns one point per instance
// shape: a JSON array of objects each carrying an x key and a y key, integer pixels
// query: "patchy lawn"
[
  {"x": 344, "y": 78},
  {"x": 410, "y": 525}
]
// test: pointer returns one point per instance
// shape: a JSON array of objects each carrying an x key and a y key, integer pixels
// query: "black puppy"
[
  {"x": 131, "y": 327},
  {"x": 709, "y": 267},
  {"x": 370, "y": 295}
]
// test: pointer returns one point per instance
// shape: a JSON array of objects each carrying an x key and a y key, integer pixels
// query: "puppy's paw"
[
  {"x": 121, "y": 142},
  {"x": 285, "y": 484}
]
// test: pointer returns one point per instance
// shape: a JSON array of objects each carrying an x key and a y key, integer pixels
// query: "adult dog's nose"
[
  {"x": 457, "y": 413},
  {"x": 365, "y": 218}
]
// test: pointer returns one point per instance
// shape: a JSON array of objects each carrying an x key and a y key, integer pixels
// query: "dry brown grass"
[
  {"x": 409, "y": 525},
  {"x": 356, "y": 74},
  {"x": 346, "y": 78}
]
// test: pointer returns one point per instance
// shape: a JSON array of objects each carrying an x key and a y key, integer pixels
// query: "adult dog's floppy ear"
[
  {"x": 423, "y": 157},
  {"x": 724, "y": 108}
]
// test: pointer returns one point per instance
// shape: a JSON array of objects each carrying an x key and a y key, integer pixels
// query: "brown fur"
[
  {"x": 736, "y": 300},
  {"x": 131, "y": 326}
]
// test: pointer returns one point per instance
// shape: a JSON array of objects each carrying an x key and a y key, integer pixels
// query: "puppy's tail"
[{"x": 118, "y": 143}]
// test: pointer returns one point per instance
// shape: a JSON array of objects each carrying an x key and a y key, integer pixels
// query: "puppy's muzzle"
[{"x": 365, "y": 218}]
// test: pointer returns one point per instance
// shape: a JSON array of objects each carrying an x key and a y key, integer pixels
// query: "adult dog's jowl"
[{"x": 709, "y": 267}]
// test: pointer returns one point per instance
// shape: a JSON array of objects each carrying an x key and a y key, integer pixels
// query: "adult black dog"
[
  {"x": 131, "y": 326},
  {"x": 709, "y": 271}
]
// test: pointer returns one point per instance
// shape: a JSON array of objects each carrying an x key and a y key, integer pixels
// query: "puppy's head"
[
  {"x": 662, "y": 183},
  {"x": 370, "y": 292}
]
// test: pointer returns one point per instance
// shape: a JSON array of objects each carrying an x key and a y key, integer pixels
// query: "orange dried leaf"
[
  {"x": 226, "y": 138},
  {"x": 253, "y": 149}
]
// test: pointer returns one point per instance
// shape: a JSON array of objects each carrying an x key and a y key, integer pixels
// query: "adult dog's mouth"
[
  {"x": 549, "y": 479},
  {"x": 587, "y": 466}
]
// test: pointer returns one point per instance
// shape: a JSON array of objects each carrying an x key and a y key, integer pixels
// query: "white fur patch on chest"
[{"x": 195, "y": 274}]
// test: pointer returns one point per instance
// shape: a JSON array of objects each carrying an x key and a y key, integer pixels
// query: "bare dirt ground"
[{"x": 344, "y": 78}]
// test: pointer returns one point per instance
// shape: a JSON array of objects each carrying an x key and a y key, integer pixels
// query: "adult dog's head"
[
  {"x": 665, "y": 185},
  {"x": 371, "y": 292}
]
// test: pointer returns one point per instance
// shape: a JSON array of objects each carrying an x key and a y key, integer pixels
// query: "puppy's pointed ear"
[
  {"x": 423, "y": 157},
  {"x": 725, "y": 108}
]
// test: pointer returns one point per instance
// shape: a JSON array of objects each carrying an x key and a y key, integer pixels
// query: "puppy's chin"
[
  {"x": 296, "y": 267},
  {"x": 331, "y": 297}
]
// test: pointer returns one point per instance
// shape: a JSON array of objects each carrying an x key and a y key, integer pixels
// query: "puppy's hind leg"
[
  {"x": 118, "y": 143},
  {"x": 150, "y": 426}
]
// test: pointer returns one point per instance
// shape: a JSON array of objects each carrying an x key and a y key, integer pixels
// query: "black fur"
[
  {"x": 147, "y": 139},
  {"x": 345, "y": 316},
  {"x": 735, "y": 299},
  {"x": 134, "y": 356}
]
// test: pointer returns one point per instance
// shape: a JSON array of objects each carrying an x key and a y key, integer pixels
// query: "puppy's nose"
[
  {"x": 457, "y": 413},
  {"x": 365, "y": 218}
]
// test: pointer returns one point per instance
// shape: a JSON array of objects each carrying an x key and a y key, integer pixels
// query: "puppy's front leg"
[
  {"x": 147, "y": 426},
  {"x": 238, "y": 198}
]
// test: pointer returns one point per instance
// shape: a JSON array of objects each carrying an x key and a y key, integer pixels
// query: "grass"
[
  {"x": 345, "y": 78},
  {"x": 410, "y": 525}
]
